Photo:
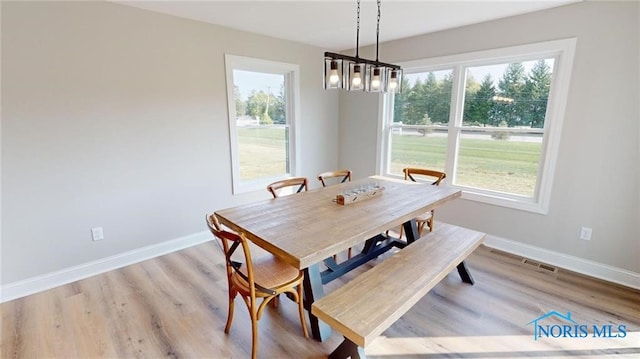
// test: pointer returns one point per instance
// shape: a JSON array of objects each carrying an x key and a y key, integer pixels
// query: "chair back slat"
[
  {"x": 230, "y": 242},
  {"x": 342, "y": 175},
  {"x": 409, "y": 173},
  {"x": 275, "y": 187}
]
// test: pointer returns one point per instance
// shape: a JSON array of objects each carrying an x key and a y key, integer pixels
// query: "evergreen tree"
[
  {"x": 440, "y": 104},
  {"x": 511, "y": 86},
  {"x": 479, "y": 104},
  {"x": 400, "y": 102},
  {"x": 416, "y": 106},
  {"x": 536, "y": 93}
]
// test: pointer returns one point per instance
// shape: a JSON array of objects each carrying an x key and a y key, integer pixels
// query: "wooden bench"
[{"x": 370, "y": 303}]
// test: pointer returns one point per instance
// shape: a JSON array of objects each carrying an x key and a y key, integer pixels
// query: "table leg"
[
  {"x": 348, "y": 349},
  {"x": 411, "y": 231},
  {"x": 313, "y": 290},
  {"x": 464, "y": 273}
]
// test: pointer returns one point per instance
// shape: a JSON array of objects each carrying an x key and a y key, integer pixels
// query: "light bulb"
[
  {"x": 357, "y": 79},
  {"x": 333, "y": 78},
  {"x": 333, "y": 75},
  {"x": 393, "y": 81},
  {"x": 375, "y": 80}
]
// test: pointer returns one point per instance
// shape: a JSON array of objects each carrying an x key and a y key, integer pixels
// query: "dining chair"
[
  {"x": 339, "y": 176},
  {"x": 335, "y": 177},
  {"x": 294, "y": 184},
  {"x": 412, "y": 174},
  {"x": 265, "y": 277}
]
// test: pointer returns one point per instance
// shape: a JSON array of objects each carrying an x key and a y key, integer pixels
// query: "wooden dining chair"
[
  {"x": 339, "y": 176},
  {"x": 265, "y": 277},
  {"x": 334, "y": 177},
  {"x": 295, "y": 184},
  {"x": 435, "y": 177}
]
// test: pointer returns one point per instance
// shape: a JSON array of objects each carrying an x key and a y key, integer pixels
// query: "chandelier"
[{"x": 360, "y": 74}]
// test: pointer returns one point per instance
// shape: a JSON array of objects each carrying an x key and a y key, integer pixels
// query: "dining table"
[{"x": 307, "y": 229}]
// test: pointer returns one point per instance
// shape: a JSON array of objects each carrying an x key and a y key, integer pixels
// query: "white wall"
[
  {"x": 114, "y": 116},
  {"x": 597, "y": 176}
]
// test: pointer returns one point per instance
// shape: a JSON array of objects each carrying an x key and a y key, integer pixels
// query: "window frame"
[
  {"x": 563, "y": 53},
  {"x": 291, "y": 73}
]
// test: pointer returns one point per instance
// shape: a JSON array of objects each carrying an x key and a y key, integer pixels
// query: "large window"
[
  {"x": 262, "y": 99},
  {"x": 491, "y": 120}
]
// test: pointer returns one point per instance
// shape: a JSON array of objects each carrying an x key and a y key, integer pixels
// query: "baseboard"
[
  {"x": 583, "y": 266},
  {"x": 43, "y": 282}
]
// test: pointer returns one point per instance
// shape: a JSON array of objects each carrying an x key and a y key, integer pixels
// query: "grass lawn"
[
  {"x": 506, "y": 166},
  {"x": 263, "y": 152}
]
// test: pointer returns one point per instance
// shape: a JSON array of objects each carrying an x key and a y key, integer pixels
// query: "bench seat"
[{"x": 370, "y": 303}]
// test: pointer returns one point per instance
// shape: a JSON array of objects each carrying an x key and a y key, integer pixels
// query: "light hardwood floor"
[{"x": 175, "y": 306}]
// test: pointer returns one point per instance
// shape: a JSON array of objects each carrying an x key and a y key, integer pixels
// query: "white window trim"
[
  {"x": 562, "y": 50},
  {"x": 291, "y": 73}
]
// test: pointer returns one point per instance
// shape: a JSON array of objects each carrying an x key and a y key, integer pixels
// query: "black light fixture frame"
[
  {"x": 336, "y": 56},
  {"x": 372, "y": 71}
]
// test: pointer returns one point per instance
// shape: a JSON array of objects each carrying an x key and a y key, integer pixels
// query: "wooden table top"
[{"x": 305, "y": 228}]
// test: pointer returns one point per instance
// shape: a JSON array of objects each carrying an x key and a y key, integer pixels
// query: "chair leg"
[
  {"x": 232, "y": 297},
  {"x": 305, "y": 332},
  {"x": 254, "y": 331},
  {"x": 349, "y": 253},
  {"x": 431, "y": 222},
  {"x": 420, "y": 227}
]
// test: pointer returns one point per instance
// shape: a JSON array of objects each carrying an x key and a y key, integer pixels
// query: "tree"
[
  {"x": 241, "y": 106},
  {"x": 426, "y": 120},
  {"x": 478, "y": 104},
  {"x": 432, "y": 97},
  {"x": 400, "y": 102},
  {"x": 536, "y": 93},
  {"x": 511, "y": 86},
  {"x": 278, "y": 111},
  {"x": 416, "y": 106},
  {"x": 262, "y": 105},
  {"x": 440, "y": 100}
]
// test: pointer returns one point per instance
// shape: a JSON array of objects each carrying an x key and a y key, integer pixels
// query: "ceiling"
[{"x": 331, "y": 25}]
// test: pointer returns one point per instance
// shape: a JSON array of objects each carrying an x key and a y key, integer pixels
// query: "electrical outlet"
[
  {"x": 96, "y": 234},
  {"x": 585, "y": 233}
]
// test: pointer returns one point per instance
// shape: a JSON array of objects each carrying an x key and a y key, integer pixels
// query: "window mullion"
[{"x": 455, "y": 121}]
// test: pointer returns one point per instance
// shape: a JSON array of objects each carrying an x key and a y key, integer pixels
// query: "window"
[
  {"x": 491, "y": 120},
  {"x": 263, "y": 106}
]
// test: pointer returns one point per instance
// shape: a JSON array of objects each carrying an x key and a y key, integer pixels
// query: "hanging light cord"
[
  {"x": 377, "y": 30},
  {"x": 358, "y": 31}
]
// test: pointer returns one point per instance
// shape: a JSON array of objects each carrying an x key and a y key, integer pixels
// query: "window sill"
[{"x": 523, "y": 204}]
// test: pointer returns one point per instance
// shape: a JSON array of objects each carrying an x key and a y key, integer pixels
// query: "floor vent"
[{"x": 543, "y": 266}]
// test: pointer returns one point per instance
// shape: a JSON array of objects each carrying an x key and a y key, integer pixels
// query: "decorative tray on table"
[{"x": 358, "y": 194}]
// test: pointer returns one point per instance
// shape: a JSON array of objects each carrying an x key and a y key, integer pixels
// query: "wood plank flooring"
[{"x": 175, "y": 306}]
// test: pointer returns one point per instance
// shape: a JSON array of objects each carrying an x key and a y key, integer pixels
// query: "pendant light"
[{"x": 360, "y": 74}]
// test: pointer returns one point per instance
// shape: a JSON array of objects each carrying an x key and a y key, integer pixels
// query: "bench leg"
[
  {"x": 464, "y": 273},
  {"x": 313, "y": 290},
  {"x": 347, "y": 349}
]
